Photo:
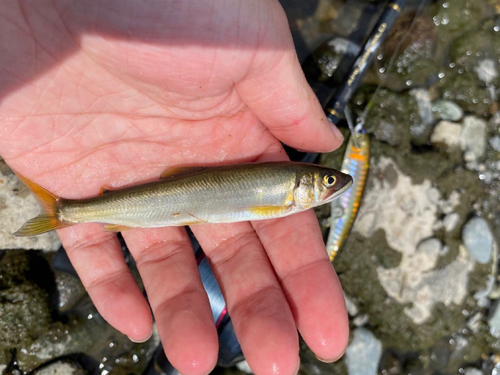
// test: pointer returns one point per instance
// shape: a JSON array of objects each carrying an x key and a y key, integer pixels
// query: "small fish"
[
  {"x": 187, "y": 196},
  {"x": 344, "y": 210}
]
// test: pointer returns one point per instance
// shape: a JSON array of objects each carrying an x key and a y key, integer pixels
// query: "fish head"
[{"x": 319, "y": 185}]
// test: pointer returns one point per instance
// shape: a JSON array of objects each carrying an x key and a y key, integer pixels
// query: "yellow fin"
[
  {"x": 104, "y": 189},
  {"x": 115, "y": 228},
  {"x": 180, "y": 171},
  {"x": 38, "y": 225},
  {"x": 268, "y": 211},
  {"x": 46, "y": 221}
]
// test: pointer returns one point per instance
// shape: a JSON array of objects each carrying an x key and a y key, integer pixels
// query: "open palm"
[{"x": 112, "y": 94}]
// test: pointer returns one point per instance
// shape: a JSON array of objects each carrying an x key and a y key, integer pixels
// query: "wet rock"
[
  {"x": 450, "y": 221},
  {"x": 462, "y": 88},
  {"x": 392, "y": 115},
  {"x": 25, "y": 310},
  {"x": 244, "y": 367},
  {"x": 447, "y": 110},
  {"x": 363, "y": 354},
  {"x": 486, "y": 71},
  {"x": 413, "y": 65},
  {"x": 477, "y": 52},
  {"x": 411, "y": 29},
  {"x": 322, "y": 65},
  {"x": 70, "y": 291},
  {"x": 478, "y": 239},
  {"x": 352, "y": 309},
  {"x": 406, "y": 211},
  {"x": 482, "y": 296},
  {"x": 494, "y": 320},
  {"x": 60, "y": 368},
  {"x": 456, "y": 17},
  {"x": 417, "y": 281},
  {"x": 473, "y": 371},
  {"x": 447, "y": 134},
  {"x": 473, "y": 137},
  {"x": 421, "y": 131},
  {"x": 19, "y": 206},
  {"x": 495, "y": 143}
]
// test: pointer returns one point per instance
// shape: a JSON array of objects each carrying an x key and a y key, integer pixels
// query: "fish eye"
[{"x": 329, "y": 180}]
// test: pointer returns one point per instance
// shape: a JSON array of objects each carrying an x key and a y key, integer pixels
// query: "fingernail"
[
  {"x": 298, "y": 367},
  {"x": 337, "y": 133},
  {"x": 329, "y": 360},
  {"x": 140, "y": 341}
]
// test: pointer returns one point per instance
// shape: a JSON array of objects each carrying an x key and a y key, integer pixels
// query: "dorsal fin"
[{"x": 180, "y": 171}]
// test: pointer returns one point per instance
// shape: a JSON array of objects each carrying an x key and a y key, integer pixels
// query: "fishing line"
[{"x": 362, "y": 119}]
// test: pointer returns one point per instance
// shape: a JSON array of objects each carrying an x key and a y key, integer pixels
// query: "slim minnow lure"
[
  {"x": 344, "y": 209},
  {"x": 196, "y": 195}
]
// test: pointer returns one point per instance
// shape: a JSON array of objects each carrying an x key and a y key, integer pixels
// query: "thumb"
[{"x": 276, "y": 90}]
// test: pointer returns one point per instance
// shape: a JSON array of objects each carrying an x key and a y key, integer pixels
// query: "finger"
[
  {"x": 98, "y": 260},
  {"x": 296, "y": 250},
  {"x": 168, "y": 268},
  {"x": 276, "y": 90},
  {"x": 258, "y": 308}
]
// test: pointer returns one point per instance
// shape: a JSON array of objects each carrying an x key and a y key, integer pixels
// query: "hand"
[{"x": 112, "y": 93}]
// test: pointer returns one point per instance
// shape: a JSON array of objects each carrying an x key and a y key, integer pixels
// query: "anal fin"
[
  {"x": 268, "y": 211},
  {"x": 115, "y": 228}
]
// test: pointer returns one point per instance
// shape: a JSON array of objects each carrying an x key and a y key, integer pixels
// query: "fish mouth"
[{"x": 340, "y": 191}]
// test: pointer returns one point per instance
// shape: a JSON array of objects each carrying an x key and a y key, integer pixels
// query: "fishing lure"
[{"x": 344, "y": 210}]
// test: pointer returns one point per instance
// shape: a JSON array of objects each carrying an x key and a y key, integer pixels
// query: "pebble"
[
  {"x": 422, "y": 97},
  {"x": 473, "y": 371},
  {"x": 473, "y": 136},
  {"x": 486, "y": 71},
  {"x": 351, "y": 307},
  {"x": 363, "y": 354},
  {"x": 495, "y": 143},
  {"x": 60, "y": 368},
  {"x": 244, "y": 367},
  {"x": 447, "y": 133},
  {"x": 450, "y": 221},
  {"x": 447, "y": 110},
  {"x": 478, "y": 239}
]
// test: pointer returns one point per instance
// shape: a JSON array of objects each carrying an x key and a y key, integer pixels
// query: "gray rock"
[
  {"x": 352, "y": 309},
  {"x": 473, "y": 137},
  {"x": 450, "y": 221},
  {"x": 495, "y": 143},
  {"x": 421, "y": 130},
  {"x": 473, "y": 371},
  {"x": 70, "y": 291},
  {"x": 447, "y": 110},
  {"x": 478, "y": 239},
  {"x": 363, "y": 354},
  {"x": 60, "y": 368},
  {"x": 486, "y": 71},
  {"x": 244, "y": 367}
]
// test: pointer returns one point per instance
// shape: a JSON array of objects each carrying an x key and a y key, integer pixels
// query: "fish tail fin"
[
  {"x": 38, "y": 225},
  {"x": 46, "y": 221}
]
